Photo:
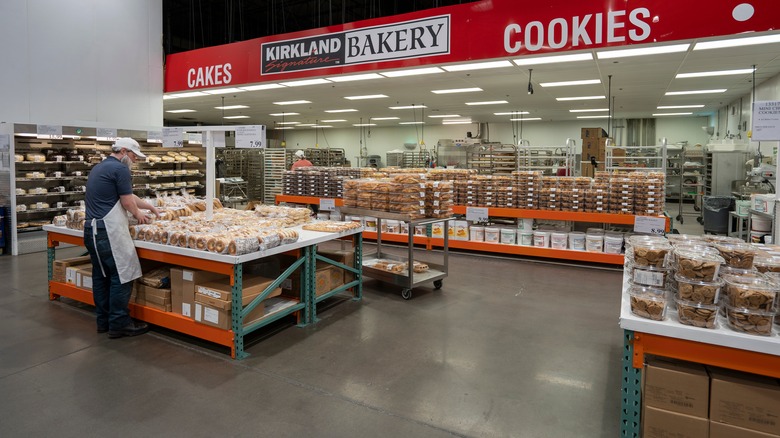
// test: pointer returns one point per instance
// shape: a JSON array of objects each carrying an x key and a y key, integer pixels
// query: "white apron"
[{"x": 122, "y": 247}]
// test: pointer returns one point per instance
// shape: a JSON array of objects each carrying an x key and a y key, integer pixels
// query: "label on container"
[
  {"x": 328, "y": 204},
  {"x": 649, "y": 278},
  {"x": 211, "y": 315}
]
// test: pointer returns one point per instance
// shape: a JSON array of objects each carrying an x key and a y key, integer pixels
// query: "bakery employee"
[
  {"x": 300, "y": 161},
  {"x": 115, "y": 264}
]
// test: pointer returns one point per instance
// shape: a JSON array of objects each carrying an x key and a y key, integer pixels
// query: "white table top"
[{"x": 305, "y": 238}]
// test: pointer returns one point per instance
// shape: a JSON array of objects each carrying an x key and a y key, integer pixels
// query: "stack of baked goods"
[{"x": 331, "y": 226}]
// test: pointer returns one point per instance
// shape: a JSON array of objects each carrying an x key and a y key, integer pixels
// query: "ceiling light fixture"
[
  {"x": 413, "y": 72},
  {"x": 570, "y": 83},
  {"x": 644, "y": 51},
  {"x": 347, "y": 110},
  {"x": 284, "y": 114},
  {"x": 292, "y": 102},
  {"x": 261, "y": 87},
  {"x": 305, "y": 82},
  {"x": 565, "y": 99},
  {"x": 487, "y": 102},
  {"x": 590, "y": 110},
  {"x": 412, "y": 123},
  {"x": 180, "y": 111},
  {"x": 594, "y": 117},
  {"x": 284, "y": 127},
  {"x": 385, "y": 118},
  {"x": 351, "y": 78},
  {"x": 671, "y": 114},
  {"x": 682, "y": 93},
  {"x": 224, "y": 91},
  {"x": 288, "y": 123},
  {"x": 444, "y": 116},
  {"x": 679, "y": 106},
  {"x": 170, "y": 96},
  {"x": 230, "y": 107},
  {"x": 407, "y": 107},
  {"x": 553, "y": 59},
  {"x": 236, "y": 117},
  {"x": 456, "y": 90},
  {"x": 456, "y": 122},
  {"x": 525, "y": 119},
  {"x": 477, "y": 66},
  {"x": 511, "y": 113},
  {"x": 704, "y": 74},
  {"x": 738, "y": 42},
  {"x": 188, "y": 94},
  {"x": 333, "y": 120},
  {"x": 306, "y": 124},
  {"x": 321, "y": 126},
  {"x": 367, "y": 96},
  {"x": 364, "y": 124}
]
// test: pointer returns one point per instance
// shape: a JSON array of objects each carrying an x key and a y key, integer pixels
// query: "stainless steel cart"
[{"x": 407, "y": 280}]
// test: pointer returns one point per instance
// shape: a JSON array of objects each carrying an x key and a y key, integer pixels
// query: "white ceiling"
[{"x": 638, "y": 86}]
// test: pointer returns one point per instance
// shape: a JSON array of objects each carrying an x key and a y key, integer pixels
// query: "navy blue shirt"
[{"x": 107, "y": 181}]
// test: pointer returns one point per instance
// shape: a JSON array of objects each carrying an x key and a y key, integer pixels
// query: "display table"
[
  {"x": 720, "y": 347},
  {"x": 305, "y": 251}
]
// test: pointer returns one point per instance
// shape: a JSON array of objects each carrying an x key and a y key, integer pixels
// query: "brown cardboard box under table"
[
  {"x": 660, "y": 423},
  {"x": 722, "y": 430},
  {"x": 183, "y": 283},
  {"x": 677, "y": 386},
  {"x": 745, "y": 400}
]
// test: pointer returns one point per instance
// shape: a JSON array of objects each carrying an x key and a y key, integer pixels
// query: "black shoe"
[
  {"x": 102, "y": 330},
  {"x": 132, "y": 329}
]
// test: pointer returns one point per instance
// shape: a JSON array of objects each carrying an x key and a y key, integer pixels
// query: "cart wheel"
[
  {"x": 679, "y": 218},
  {"x": 701, "y": 220},
  {"x": 437, "y": 284},
  {"x": 406, "y": 294},
  {"x": 696, "y": 208}
]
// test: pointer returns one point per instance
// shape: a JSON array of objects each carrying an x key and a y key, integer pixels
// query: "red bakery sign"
[{"x": 482, "y": 30}]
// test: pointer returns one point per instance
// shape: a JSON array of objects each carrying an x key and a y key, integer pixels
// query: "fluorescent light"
[
  {"x": 564, "y": 99},
  {"x": 456, "y": 90},
  {"x": 305, "y": 82},
  {"x": 230, "y": 107},
  {"x": 288, "y": 123},
  {"x": 703, "y": 74},
  {"x": 333, "y": 120},
  {"x": 284, "y": 127},
  {"x": 305, "y": 124},
  {"x": 679, "y": 106},
  {"x": 526, "y": 119},
  {"x": 554, "y": 59},
  {"x": 591, "y": 110},
  {"x": 568, "y": 83},
  {"x": 478, "y": 66},
  {"x": 408, "y": 107},
  {"x": 261, "y": 87},
  {"x": 292, "y": 102},
  {"x": 738, "y": 42},
  {"x": 456, "y": 122},
  {"x": 412, "y": 123},
  {"x": 366, "y": 96},
  {"x": 170, "y": 96},
  {"x": 680, "y": 93},
  {"x": 284, "y": 114},
  {"x": 487, "y": 102},
  {"x": 511, "y": 113},
  {"x": 413, "y": 72},
  {"x": 350, "y": 78},
  {"x": 462, "y": 119},
  {"x": 384, "y": 118},
  {"x": 364, "y": 124},
  {"x": 321, "y": 126},
  {"x": 672, "y": 114},
  {"x": 644, "y": 51},
  {"x": 236, "y": 117},
  {"x": 180, "y": 111},
  {"x": 348, "y": 110},
  {"x": 594, "y": 117},
  {"x": 188, "y": 94},
  {"x": 444, "y": 116},
  {"x": 224, "y": 91}
]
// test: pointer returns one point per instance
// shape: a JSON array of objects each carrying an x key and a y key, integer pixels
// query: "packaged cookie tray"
[
  {"x": 697, "y": 265},
  {"x": 648, "y": 302},
  {"x": 751, "y": 292},
  {"x": 737, "y": 255},
  {"x": 752, "y": 322},
  {"x": 698, "y": 291},
  {"x": 697, "y": 314}
]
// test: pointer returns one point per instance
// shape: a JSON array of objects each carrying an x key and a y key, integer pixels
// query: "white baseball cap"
[
  {"x": 299, "y": 154},
  {"x": 129, "y": 144}
]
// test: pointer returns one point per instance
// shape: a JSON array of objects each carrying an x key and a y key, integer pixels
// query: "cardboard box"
[
  {"x": 208, "y": 315},
  {"x": 162, "y": 308},
  {"x": 722, "y": 430},
  {"x": 148, "y": 294},
  {"x": 291, "y": 287},
  {"x": 586, "y": 169},
  {"x": 745, "y": 400},
  {"x": 209, "y": 309},
  {"x": 84, "y": 276},
  {"x": 660, "y": 423},
  {"x": 183, "y": 283},
  {"x": 343, "y": 256},
  {"x": 59, "y": 267},
  {"x": 677, "y": 386},
  {"x": 592, "y": 133},
  {"x": 222, "y": 290}
]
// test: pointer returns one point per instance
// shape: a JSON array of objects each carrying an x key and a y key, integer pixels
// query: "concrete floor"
[{"x": 507, "y": 348}]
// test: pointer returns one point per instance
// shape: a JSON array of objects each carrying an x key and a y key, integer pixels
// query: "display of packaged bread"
[
  {"x": 397, "y": 267},
  {"x": 331, "y": 226}
]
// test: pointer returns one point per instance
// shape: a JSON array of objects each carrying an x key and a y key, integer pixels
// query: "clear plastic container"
[
  {"x": 684, "y": 239},
  {"x": 737, "y": 255},
  {"x": 697, "y": 314},
  {"x": 650, "y": 276},
  {"x": 647, "y": 302},
  {"x": 714, "y": 238},
  {"x": 753, "y": 322},
  {"x": 752, "y": 293},
  {"x": 697, "y": 265},
  {"x": 650, "y": 253},
  {"x": 774, "y": 277},
  {"x": 702, "y": 292},
  {"x": 767, "y": 263}
]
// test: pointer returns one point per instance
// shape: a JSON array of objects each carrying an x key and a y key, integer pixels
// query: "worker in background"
[
  {"x": 300, "y": 161},
  {"x": 109, "y": 199}
]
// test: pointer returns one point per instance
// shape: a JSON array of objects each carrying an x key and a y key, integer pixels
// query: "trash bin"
[{"x": 716, "y": 213}]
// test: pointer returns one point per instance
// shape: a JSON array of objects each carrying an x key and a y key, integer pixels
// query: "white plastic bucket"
[
  {"x": 758, "y": 223},
  {"x": 594, "y": 242},
  {"x": 477, "y": 233},
  {"x": 419, "y": 230},
  {"x": 403, "y": 227},
  {"x": 525, "y": 224},
  {"x": 392, "y": 226},
  {"x": 492, "y": 234},
  {"x": 577, "y": 241},
  {"x": 370, "y": 223},
  {"x": 559, "y": 240},
  {"x": 613, "y": 244},
  {"x": 526, "y": 238},
  {"x": 742, "y": 207},
  {"x": 542, "y": 239},
  {"x": 509, "y": 236},
  {"x": 763, "y": 203},
  {"x": 323, "y": 216}
]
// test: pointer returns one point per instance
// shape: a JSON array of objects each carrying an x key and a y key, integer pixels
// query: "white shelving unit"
[
  {"x": 637, "y": 158},
  {"x": 548, "y": 159}
]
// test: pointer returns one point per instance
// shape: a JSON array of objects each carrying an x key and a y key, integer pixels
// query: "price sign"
[
  {"x": 327, "y": 204},
  {"x": 650, "y": 224},
  {"x": 766, "y": 121},
  {"x": 53, "y": 132},
  {"x": 477, "y": 214},
  {"x": 250, "y": 137},
  {"x": 195, "y": 138},
  {"x": 154, "y": 137},
  {"x": 173, "y": 137},
  {"x": 106, "y": 134}
]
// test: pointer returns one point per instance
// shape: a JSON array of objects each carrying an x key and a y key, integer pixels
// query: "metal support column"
[
  {"x": 631, "y": 394},
  {"x": 358, "y": 265},
  {"x": 309, "y": 282},
  {"x": 50, "y": 268},
  {"x": 235, "y": 313}
]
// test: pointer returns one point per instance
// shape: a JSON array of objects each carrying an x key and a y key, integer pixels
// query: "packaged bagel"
[
  {"x": 647, "y": 302},
  {"x": 698, "y": 291},
  {"x": 698, "y": 265}
]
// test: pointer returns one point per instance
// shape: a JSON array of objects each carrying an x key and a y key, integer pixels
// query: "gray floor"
[{"x": 508, "y": 348}]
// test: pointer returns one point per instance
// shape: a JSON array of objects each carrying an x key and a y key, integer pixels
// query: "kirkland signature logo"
[{"x": 410, "y": 39}]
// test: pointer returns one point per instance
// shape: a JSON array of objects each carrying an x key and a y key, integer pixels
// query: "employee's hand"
[
  {"x": 140, "y": 217},
  {"x": 156, "y": 212}
]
